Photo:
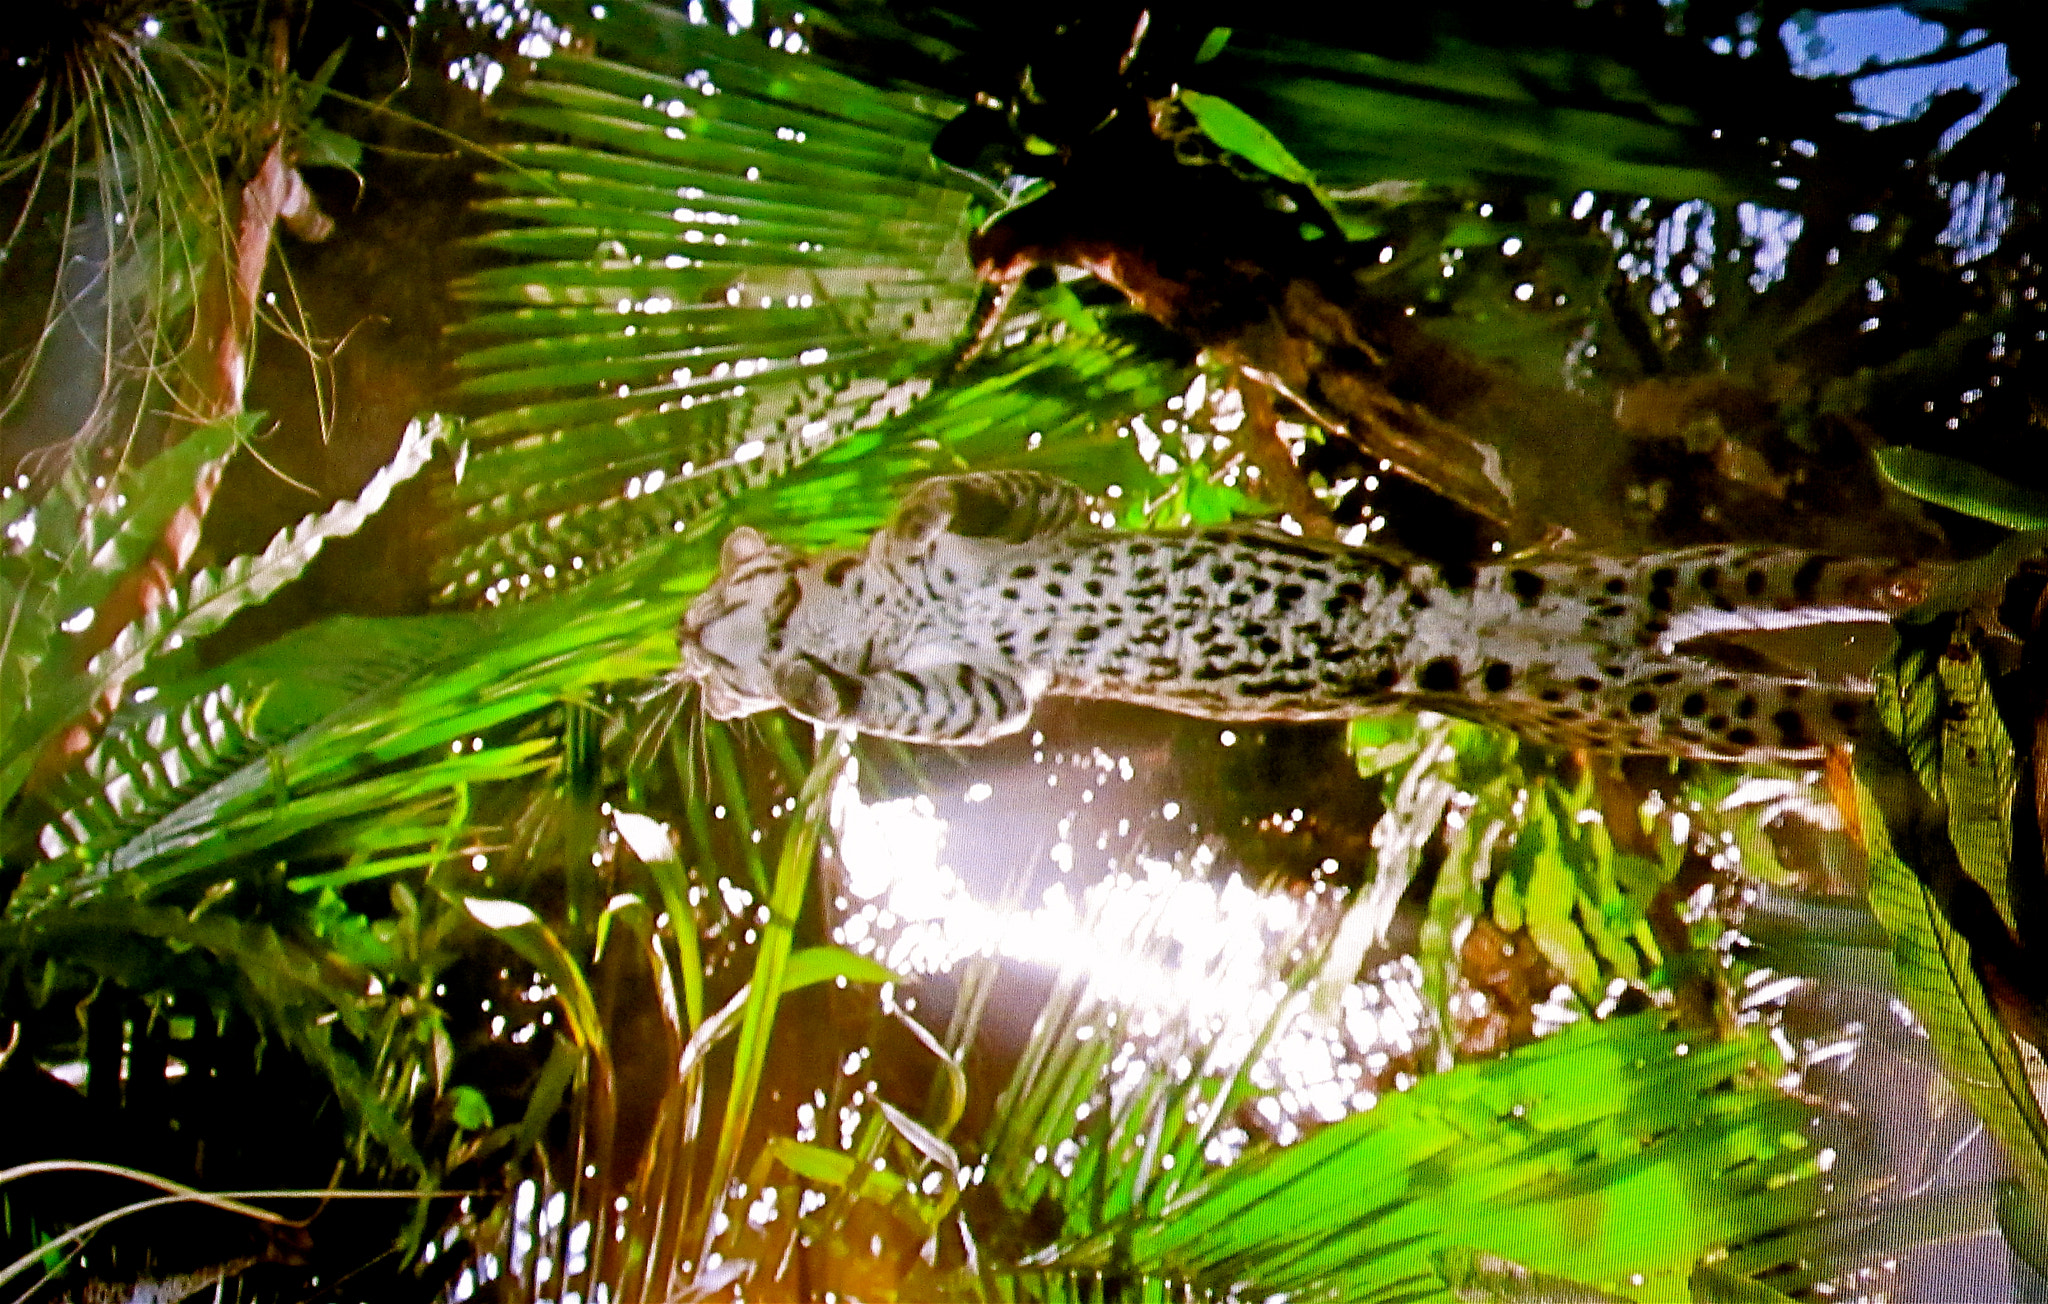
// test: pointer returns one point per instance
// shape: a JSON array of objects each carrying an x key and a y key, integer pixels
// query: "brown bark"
[
  {"x": 1197, "y": 250},
  {"x": 1265, "y": 449},
  {"x": 1299, "y": 341},
  {"x": 226, "y": 316}
]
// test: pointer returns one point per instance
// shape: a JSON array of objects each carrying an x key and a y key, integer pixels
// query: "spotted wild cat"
[{"x": 988, "y": 591}]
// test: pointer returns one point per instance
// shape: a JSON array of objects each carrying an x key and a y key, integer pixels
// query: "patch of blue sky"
[
  {"x": 1906, "y": 92},
  {"x": 1772, "y": 231},
  {"x": 1851, "y": 41},
  {"x": 1683, "y": 252},
  {"x": 1979, "y": 212},
  {"x": 1863, "y": 43}
]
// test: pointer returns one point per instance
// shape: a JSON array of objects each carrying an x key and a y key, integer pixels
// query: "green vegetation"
[{"x": 390, "y": 908}]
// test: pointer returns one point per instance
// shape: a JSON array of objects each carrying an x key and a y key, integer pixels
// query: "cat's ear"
[
  {"x": 740, "y": 547},
  {"x": 923, "y": 513}
]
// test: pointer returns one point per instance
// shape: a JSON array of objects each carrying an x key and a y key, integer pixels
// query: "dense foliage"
[{"x": 381, "y": 914}]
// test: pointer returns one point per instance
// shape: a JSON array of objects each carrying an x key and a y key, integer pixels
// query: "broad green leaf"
[
  {"x": 1934, "y": 700},
  {"x": 1964, "y": 487},
  {"x": 327, "y": 148},
  {"x": 1212, "y": 44},
  {"x": 1608, "y": 919},
  {"x": 1936, "y": 976},
  {"x": 1509, "y": 910},
  {"x": 1977, "y": 775},
  {"x": 469, "y": 1108},
  {"x": 1383, "y": 740},
  {"x": 1463, "y": 114},
  {"x": 1550, "y": 896},
  {"x": 817, "y": 964},
  {"x": 1241, "y": 133},
  {"x": 813, "y": 1162}
]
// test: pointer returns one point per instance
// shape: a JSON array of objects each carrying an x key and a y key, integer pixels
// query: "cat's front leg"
[
  {"x": 817, "y": 690},
  {"x": 955, "y": 704}
]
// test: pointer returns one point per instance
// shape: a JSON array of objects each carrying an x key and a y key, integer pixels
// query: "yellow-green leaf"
[{"x": 1241, "y": 133}]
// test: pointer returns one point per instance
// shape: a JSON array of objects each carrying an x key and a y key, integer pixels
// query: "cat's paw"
[{"x": 815, "y": 690}]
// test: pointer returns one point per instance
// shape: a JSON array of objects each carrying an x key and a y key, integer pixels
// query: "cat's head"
[{"x": 734, "y": 628}]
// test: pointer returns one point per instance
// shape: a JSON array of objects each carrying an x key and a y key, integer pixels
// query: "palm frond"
[
  {"x": 1532, "y": 1157},
  {"x": 67, "y": 550},
  {"x": 191, "y": 610},
  {"x": 706, "y": 279},
  {"x": 386, "y": 692},
  {"x": 132, "y": 771}
]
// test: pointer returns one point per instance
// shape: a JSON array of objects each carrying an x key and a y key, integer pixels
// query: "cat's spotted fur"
[{"x": 988, "y": 591}]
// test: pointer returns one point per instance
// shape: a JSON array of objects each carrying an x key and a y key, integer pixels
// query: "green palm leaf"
[
  {"x": 1607, "y": 1151},
  {"x": 205, "y": 600},
  {"x": 1965, "y": 487},
  {"x": 67, "y": 550},
  {"x": 343, "y": 702},
  {"x": 703, "y": 281}
]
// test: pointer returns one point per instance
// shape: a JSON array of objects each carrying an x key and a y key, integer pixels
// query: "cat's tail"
[
  {"x": 1664, "y": 599},
  {"x": 1625, "y": 655},
  {"x": 1684, "y": 706}
]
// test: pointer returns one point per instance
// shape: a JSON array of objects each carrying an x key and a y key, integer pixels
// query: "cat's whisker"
[
  {"x": 700, "y": 748},
  {"x": 667, "y": 698}
]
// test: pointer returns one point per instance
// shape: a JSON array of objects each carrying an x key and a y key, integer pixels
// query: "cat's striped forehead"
[
  {"x": 758, "y": 588},
  {"x": 734, "y": 626}
]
